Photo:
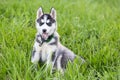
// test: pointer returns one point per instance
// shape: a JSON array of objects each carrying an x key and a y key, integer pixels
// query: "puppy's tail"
[{"x": 82, "y": 60}]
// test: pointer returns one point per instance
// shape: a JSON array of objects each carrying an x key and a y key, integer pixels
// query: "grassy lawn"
[{"x": 90, "y": 28}]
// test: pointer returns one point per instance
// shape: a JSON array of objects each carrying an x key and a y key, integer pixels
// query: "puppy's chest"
[{"x": 47, "y": 50}]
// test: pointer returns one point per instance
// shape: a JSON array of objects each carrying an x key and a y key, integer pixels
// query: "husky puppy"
[{"x": 47, "y": 47}]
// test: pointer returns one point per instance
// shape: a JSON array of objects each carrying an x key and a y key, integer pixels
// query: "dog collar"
[{"x": 49, "y": 38}]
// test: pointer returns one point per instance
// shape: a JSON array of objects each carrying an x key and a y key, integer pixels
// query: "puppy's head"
[{"x": 46, "y": 23}]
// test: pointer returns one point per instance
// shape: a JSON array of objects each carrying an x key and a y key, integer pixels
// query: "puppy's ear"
[
  {"x": 39, "y": 12},
  {"x": 53, "y": 13}
]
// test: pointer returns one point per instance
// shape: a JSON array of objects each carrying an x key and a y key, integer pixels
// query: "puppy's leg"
[
  {"x": 49, "y": 59},
  {"x": 36, "y": 53},
  {"x": 59, "y": 65}
]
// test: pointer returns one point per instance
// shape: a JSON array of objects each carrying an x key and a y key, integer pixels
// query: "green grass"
[{"x": 90, "y": 28}]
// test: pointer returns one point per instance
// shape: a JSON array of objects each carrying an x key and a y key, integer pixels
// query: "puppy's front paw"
[
  {"x": 35, "y": 53},
  {"x": 38, "y": 40},
  {"x": 35, "y": 57}
]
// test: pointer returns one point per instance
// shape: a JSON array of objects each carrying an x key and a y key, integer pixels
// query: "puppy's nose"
[{"x": 44, "y": 30}]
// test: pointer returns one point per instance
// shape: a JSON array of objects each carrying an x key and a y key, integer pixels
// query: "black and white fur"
[{"x": 52, "y": 52}]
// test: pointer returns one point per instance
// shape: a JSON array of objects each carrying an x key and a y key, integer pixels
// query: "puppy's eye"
[
  {"x": 48, "y": 23},
  {"x": 41, "y": 22}
]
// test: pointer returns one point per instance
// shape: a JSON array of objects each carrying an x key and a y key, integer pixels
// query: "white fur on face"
[{"x": 50, "y": 29}]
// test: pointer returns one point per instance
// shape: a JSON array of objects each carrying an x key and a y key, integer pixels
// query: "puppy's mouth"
[{"x": 45, "y": 36}]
